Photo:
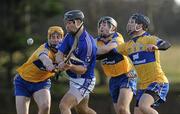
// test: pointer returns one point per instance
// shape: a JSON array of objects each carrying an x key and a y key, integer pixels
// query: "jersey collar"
[{"x": 137, "y": 37}]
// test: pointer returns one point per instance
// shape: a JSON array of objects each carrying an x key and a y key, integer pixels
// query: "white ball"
[{"x": 30, "y": 41}]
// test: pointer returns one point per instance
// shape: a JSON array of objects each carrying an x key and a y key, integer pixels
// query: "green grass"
[{"x": 170, "y": 61}]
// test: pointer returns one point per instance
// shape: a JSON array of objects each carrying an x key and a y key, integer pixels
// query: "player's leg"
[
  {"x": 77, "y": 93},
  {"x": 42, "y": 96},
  {"x": 138, "y": 96},
  {"x": 145, "y": 103},
  {"x": 124, "y": 100},
  {"x": 22, "y": 104},
  {"x": 67, "y": 102},
  {"x": 22, "y": 94},
  {"x": 121, "y": 90},
  {"x": 137, "y": 110},
  {"x": 154, "y": 95},
  {"x": 83, "y": 108},
  {"x": 43, "y": 99}
]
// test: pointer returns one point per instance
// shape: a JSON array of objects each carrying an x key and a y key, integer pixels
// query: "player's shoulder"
[
  {"x": 42, "y": 48},
  {"x": 117, "y": 35},
  {"x": 68, "y": 35},
  {"x": 98, "y": 38},
  {"x": 149, "y": 38}
]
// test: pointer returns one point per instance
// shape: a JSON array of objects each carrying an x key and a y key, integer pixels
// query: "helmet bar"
[{"x": 109, "y": 20}]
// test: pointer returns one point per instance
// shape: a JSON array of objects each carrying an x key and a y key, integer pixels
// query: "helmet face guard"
[
  {"x": 57, "y": 31},
  {"x": 141, "y": 19},
  {"x": 106, "y": 32},
  {"x": 108, "y": 19}
]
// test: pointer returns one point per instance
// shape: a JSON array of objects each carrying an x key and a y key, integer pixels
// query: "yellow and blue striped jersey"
[
  {"x": 147, "y": 64},
  {"x": 114, "y": 64},
  {"x": 33, "y": 69}
]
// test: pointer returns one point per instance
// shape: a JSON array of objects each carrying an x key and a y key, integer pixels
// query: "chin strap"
[{"x": 73, "y": 34}]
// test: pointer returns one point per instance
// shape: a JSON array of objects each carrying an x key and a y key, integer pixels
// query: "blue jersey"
[{"x": 85, "y": 51}]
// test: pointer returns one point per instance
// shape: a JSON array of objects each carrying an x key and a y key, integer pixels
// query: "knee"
[
  {"x": 123, "y": 110},
  {"x": 63, "y": 106},
  {"x": 143, "y": 108},
  {"x": 81, "y": 110},
  {"x": 44, "y": 107},
  {"x": 85, "y": 110}
]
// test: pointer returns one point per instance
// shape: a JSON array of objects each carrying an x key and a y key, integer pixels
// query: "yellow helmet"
[{"x": 57, "y": 29}]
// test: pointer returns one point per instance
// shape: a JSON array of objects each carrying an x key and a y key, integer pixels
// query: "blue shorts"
[
  {"x": 154, "y": 89},
  {"x": 122, "y": 81},
  {"x": 25, "y": 88}
]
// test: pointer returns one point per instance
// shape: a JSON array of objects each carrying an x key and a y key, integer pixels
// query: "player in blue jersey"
[{"x": 81, "y": 72}]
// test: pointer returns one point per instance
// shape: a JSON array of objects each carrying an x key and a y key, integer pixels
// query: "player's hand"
[
  {"x": 132, "y": 74},
  {"x": 67, "y": 66},
  {"x": 61, "y": 66},
  {"x": 64, "y": 66},
  {"x": 50, "y": 68},
  {"x": 151, "y": 47}
]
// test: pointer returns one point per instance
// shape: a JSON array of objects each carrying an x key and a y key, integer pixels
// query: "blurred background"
[{"x": 21, "y": 19}]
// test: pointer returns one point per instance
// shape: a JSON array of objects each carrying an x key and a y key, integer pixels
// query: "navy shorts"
[
  {"x": 122, "y": 81},
  {"x": 158, "y": 91},
  {"x": 25, "y": 88}
]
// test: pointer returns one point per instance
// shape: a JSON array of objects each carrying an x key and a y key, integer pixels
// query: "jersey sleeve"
[
  {"x": 41, "y": 50},
  {"x": 121, "y": 48},
  {"x": 119, "y": 40},
  {"x": 121, "y": 45},
  {"x": 154, "y": 40}
]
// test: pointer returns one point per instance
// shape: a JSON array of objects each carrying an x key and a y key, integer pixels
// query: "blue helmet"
[
  {"x": 141, "y": 19},
  {"x": 73, "y": 15}
]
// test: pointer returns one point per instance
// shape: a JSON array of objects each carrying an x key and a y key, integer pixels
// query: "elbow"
[
  {"x": 168, "y": 45},
  {"x": 164, "y": 45},
  {"x": 83, "y": 71}
]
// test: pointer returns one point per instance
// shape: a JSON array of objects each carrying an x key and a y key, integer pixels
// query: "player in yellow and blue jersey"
[
  {"x": 32, "y": 78},
  {"x": 143, "y": 49},
  {"x": 117, "y": 67}
]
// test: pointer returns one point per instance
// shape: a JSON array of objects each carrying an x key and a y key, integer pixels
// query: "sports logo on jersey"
[
  {"x": 135, "y": 56},
  {"x": 77, "y": 50},
  {"x": 142, "y": 57},
  {"x": 88, "y": 59}
]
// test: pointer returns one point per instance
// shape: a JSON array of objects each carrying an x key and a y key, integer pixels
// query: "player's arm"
[
  {"x": 103, "y": 51},
  {"x": 157, "y": 44},
  {"x": 79, "y": 69},
  {"x": 47, "y": 62},
  {"x": 106, "y": 48},
  {"x": 86, "y": 54},
  {"x": 59, "y": 57},
  {"x": 163, "y": 45},
  {"x": 122, "y": 48}
]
